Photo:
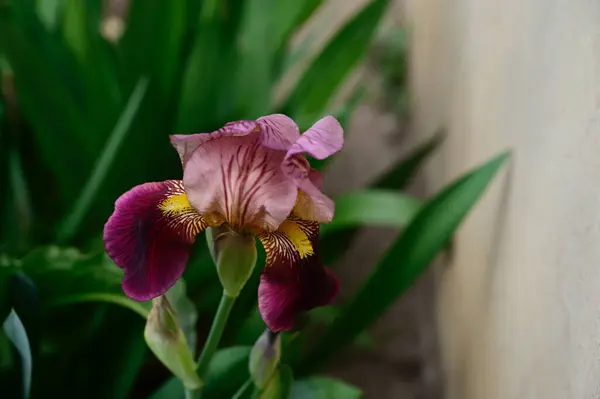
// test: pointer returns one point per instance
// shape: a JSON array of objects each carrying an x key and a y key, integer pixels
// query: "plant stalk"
[{"x": 212, "y": 342}]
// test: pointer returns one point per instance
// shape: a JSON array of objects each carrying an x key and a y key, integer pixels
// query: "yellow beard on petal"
[
  {"x": 175, "y": 205},
  {"x": 297, "y": 237}
]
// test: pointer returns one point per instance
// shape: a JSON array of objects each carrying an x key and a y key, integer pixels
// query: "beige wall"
[{"x": 519, "y": 307}]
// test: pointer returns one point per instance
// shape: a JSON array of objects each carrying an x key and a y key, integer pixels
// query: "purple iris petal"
[
  {"x": 294, "y": 279},
  {"x": 150, "y": 235}
]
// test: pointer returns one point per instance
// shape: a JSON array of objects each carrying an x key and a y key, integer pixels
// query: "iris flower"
[{"x": 253, "y": 177}]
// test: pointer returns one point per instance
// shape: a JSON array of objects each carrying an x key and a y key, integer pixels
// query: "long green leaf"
[
  {"x": 380, "y": 208},
  {"x": 401, "y": 173},
  {"x": 107, "y": 297},
  {"x": 227, "y": 371},
  {"x": 324, "y": 388},
  {"x": 336, "y": 61},
  {"x": 49, "y": 93},
  {"x": 336, "y": 244},
  {"x": 15, "y": 331},
  {"x": 85, "y": 200},
  {"x": 407, "y": 258},
  {"x": 256, "y": 51}
]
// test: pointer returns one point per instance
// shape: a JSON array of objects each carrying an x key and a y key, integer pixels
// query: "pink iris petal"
[
  {"x": 186, "y": 144},
  {"x": 293, "y": 281},
  {"x": 324, "y": 138},
  {"x": 276, "y": 131},
  {"x": 242, "y": 180},
  {"x": 279, "y": 131},
  {"x": 150, "y": 235}
]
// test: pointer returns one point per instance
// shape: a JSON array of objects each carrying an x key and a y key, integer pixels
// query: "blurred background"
[{"x": 92, "y": 89}]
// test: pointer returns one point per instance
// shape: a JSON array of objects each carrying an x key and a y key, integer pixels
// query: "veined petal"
[
  {"x": 294, "y": 279},
  {"x": 150, "y": 235},
  {"x": 278, "y": 131},
  {"x": 242, "y": 180},
  {"x": 186, "y": 144},
  {"x": 324, "y": 138}
]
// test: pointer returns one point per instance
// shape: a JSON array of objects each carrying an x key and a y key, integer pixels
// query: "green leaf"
[
  {"x": 227, "y": 371},
  {"x": 244, "y": 390},
  {"x": 59, "y": 272},
  {"x": 336, "y": 244},
  {"x": 318, "y": 84},
  {"x": 407, "y": 258},
  {"x": 141, "y": 308},
  {"x": 381, "y": 208},
  {"x": 256, "y": 51},
  {"x": 153, "y": 43},
  {"x": 286, "y": 376},
  {"x": 15, "y": 331},
  {"x": 324, "y": 388},
  {"x": 49, "y": 91},
  {"x": 187, "y": 315},
  {"x": 18, "y": 209},
  {"x": 49, "y": 11},
  {"x": 205, "y": 100},
  {"x": 399, "y": 175},
  {"x": 74, "y": 219}
]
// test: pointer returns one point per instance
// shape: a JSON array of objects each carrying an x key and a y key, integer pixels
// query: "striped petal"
[
  {"x": 294, "y": 279},
  {"x": 241, "y": 180},
  {"x": 276, "y": 131},
  {"x": 150, "y": 235}
]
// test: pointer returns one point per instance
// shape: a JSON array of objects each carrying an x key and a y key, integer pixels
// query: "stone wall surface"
[{"x": 519, "y": 303}]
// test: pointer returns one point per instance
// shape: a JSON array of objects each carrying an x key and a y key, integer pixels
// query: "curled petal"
[
  {"x": 278, "y": 131},
  {"x": 150, "y": 235},
  {"x": 311, "y": 203},
  {"x": 294, "y": 279},
  {"x": 324, "y": 138},
  {"x": 186, "y": 144}
]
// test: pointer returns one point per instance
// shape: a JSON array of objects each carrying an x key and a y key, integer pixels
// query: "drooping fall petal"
[
  {"x": 294, "y": 279},
  {"x": 150, "y": 235},
  {"x": 242, "y": 180}
]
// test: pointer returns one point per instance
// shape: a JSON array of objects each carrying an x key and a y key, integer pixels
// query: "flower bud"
[
  {"x": 167, "y": 342},
  {"x": 235, "y": 257},
  {"x": 264, "y": 358}
]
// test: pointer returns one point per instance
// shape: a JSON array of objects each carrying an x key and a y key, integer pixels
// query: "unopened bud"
[
  {"x": 166, "y": 340},
  {"x": 235, "y": 257},
  {"x": 264, "y": 358}
]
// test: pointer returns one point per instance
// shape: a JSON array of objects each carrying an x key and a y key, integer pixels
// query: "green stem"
[
  {"x": 212, "y": 342},
  {"x": 193, "y": 393}
]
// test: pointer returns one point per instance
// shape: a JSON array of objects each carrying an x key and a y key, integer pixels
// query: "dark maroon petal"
[
  {"x": 150, "y": 235},
  {"x": 294, "y": 279}
]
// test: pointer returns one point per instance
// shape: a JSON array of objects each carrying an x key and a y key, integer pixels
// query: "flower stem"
[{"x": 214, "y": 336}]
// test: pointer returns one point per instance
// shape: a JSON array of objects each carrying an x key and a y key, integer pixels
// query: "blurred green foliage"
[{"x": 88, "y": 99}]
